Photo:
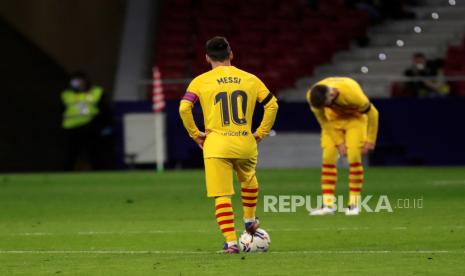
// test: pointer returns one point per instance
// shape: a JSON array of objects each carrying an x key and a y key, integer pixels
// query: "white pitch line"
[
  {"x": 85, "y": 233},
  {"x": 123, "y": 252},
  {"x": 277, "y": 230},
  {"x": 180, "y": 252},
  {"x": 90, "y": 233},
  {"x": 399, "y": 228},
  {"x": 370, "y": 252}
]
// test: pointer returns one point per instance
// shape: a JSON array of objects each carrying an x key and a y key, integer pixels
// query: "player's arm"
[
  {"x": 359, "y": 98},
  {"x": 372, "y": 128},
  {"x": 270, "y": 105},
  {"x": 324, "y": 123},
  {"x": 185, "y": 111}
]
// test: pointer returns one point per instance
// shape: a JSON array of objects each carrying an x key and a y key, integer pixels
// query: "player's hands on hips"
[
  {"x": 367, "y": 147},
  {"x": 200, "y": 139},
  {"x": 342, "y": 149},
  {"x": 257, "y": 138}
]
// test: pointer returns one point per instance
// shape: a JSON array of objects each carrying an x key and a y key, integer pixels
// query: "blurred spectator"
[
  {"x": 434, "y": 86},
  {"x": 87, "y": 123}
]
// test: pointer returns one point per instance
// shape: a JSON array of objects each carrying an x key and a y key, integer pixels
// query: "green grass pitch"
[{"x": 143, "y": 223}]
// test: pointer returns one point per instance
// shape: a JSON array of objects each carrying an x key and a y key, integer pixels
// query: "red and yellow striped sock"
[
  {"x": 225, "y": 217},
  {"x": 328, "y": 183},
  {"x": 249, "y": 193},
  {"x": 355, "y": 183}
]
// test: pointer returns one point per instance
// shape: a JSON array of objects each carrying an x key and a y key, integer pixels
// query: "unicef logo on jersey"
[{"x": 235, "y": 133}]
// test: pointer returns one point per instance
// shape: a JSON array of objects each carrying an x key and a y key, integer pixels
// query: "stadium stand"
[
  {"x": 439, "y": 24},
  {"x": 277, "y": 40},
  {"x": 454, "y": 65}
]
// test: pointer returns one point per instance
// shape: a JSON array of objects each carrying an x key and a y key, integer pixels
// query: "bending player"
[
  {"x": 228, "y": 96},
  {"x": 349, "y": 124}
]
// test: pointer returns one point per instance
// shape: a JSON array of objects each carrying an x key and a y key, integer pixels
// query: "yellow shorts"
[
  {"x": 219, "y": 174},
  {"x": 353, "y": 131}
]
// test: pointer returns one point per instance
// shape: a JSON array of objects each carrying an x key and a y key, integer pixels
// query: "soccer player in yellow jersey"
[
  {"x": 228, "y": 96},
  {"x": 349, "y": 124}
]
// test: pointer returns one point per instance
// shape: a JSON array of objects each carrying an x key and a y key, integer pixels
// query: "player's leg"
[
  {"x": 218, "y": 176},
  {"x": 328, "y": 181},
  {"x": 328, "y": 174},
  {"x": 246, "y": 174},
  {"x": 355, "y": 137}
]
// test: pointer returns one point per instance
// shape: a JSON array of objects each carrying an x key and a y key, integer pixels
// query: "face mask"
[
  {"x": 75, "y": 84},
  {"x": 420, "y": 66}
]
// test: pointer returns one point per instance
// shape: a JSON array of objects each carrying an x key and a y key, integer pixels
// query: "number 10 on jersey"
[{"x": 232, "y": 103}]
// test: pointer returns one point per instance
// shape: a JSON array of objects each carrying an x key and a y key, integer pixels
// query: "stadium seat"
[{"x": 276, "y": 40}]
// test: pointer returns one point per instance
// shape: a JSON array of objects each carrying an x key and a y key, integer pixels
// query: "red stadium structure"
[{"x": 287, "y": 42}]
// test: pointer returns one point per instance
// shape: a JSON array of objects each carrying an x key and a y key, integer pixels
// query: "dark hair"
[
  {"x": 81, "y": 75},
  {"x": 318, "y": 95},
  {"x": 218, "y": 48},
  {"x": 78, "y": 74}
]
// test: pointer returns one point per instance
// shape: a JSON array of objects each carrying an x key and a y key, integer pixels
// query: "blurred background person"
[
  {"x": 87, "y": 123},
  {"x": 433, "y": 86}
]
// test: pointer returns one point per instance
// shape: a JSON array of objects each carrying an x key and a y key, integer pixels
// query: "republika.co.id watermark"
[{"x": 368, "y": 203}]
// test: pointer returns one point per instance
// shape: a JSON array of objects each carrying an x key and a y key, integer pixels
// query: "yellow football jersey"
[
  {"x": 228, "y": 96},
  {"x": 351, "y": 102}
]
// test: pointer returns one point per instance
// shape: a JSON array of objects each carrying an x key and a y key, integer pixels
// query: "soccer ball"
[{"x": 258, "y": 242}]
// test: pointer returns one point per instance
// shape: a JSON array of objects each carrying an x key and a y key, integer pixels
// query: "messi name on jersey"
[{"x": 225, "y": 80}]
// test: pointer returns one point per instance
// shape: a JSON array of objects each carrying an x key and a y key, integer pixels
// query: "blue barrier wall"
[{"x": 412, "y": 131}]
